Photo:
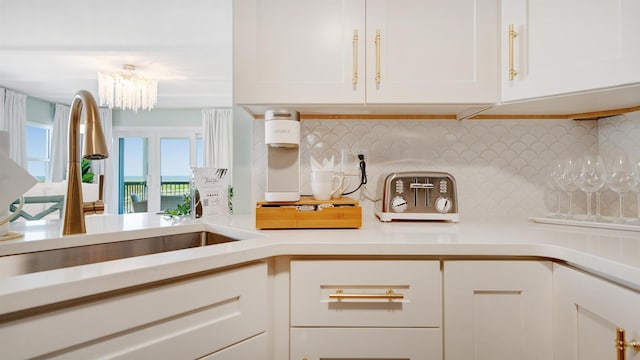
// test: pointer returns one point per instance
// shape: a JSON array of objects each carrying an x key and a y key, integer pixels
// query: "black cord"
[{"x": 363, "y": 175}]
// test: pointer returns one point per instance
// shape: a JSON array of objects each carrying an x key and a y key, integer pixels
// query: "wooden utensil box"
[{"x": 308, "y": 213}]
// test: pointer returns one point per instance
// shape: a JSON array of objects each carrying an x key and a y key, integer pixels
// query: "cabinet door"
[
  {"x": 565, "y": 46},
  {"x": 497, "y": 310},
  {"x": 298, "y": 51},
  {"x": 366, "y": 343},
  {"x": 432, "y": 51},
  {"x": 179, "y": 320},
  {"x": 587, "y": 311}
]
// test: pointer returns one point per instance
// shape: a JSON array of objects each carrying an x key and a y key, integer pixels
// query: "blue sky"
[{"x": 174, "y": 159}]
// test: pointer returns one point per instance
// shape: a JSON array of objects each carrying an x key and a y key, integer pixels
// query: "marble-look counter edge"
[{"x": 37, "y": 289}]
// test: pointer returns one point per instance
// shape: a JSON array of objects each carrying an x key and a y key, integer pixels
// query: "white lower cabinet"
[
  {"x": 366, "y": 343},
  {"x": 496, "y": 310},
  {"x": 185, "y": 319},
  {"x": 588, "y": 311},
  {"x": 366, "y": 309}
]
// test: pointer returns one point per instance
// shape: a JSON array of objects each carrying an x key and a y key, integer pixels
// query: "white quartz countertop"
[{"x": 613, "y": 254}]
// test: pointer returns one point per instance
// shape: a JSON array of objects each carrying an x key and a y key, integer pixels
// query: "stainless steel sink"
[{"x": 73, "y": 256}]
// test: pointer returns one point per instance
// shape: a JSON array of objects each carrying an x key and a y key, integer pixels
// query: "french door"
[{"x": 154, "y": 167}]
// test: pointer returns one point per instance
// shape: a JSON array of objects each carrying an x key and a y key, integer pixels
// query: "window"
[
  {"x": 199, "y": 152},
  {"x": 38, "y": 150},
  {"x": 155, "y": 165}
]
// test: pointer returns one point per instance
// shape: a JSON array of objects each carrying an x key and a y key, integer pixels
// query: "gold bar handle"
[
  {"x": 388, "y": 295},
  {"x": 378, "y": 57},
  {"x": 512, "y": 35},
  {"x": 622, "y": 345},
  {"x": 355, "y": 57}
]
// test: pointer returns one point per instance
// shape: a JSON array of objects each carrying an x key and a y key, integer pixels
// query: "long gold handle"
[
  {"x": 355, "y": 57},
  {"x": 622, "y": 345},
  {"x": 388, "y": 295},
  {"x": 378, "y": 57},
  {"x": 512, "y": 35}
]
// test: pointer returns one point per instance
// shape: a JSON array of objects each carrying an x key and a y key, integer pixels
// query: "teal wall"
[
  {"x": 40, "y": 111},
  {"x": 158, "y": 117}
]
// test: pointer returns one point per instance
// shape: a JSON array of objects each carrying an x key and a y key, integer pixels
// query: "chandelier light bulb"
[{"x": 127, "y": 90}]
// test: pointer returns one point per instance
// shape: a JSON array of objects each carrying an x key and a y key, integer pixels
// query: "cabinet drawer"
[
  {"x": 367, "y": 343},
  {"x": 313, "y": 282},
  {"x": 186, "y": 319}
]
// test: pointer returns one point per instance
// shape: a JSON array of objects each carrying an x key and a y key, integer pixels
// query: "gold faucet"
[{"x": 95, "y": 148}]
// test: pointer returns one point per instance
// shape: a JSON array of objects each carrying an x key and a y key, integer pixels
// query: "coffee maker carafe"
[{"x": 282, "y": 138}]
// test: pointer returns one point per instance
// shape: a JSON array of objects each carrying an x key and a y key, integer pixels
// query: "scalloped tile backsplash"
[{"x": 500, "y": 166}]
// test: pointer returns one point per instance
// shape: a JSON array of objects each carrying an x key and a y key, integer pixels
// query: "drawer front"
[
  {"x": 254, "y": 348},
  {"x": 366, "y": 343},
  {"x": 186, "y": 319},
  {"x": 353, "y": 293}
]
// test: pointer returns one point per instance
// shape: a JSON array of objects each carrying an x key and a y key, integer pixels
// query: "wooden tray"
[{"x": 308, "y": 213}]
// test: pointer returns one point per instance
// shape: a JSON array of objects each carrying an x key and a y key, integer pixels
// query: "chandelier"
[{"x": 127, "y": 90}]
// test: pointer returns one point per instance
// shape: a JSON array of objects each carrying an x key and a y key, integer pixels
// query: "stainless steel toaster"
[{"x": 417, "y": 195}]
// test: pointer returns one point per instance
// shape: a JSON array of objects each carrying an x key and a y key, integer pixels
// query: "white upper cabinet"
[
  {"x": 298, "y": 51},
  {"x": 432, "y": 51},
  {"x": 565, "y": 46},
  {"x": 373, "y": 51}
]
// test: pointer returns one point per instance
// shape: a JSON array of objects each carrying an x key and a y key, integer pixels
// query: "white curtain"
[
  {"x": 59, "y": 145},
  {"x": 15, "y": 122},
  {"x": 217, "y": 128}
]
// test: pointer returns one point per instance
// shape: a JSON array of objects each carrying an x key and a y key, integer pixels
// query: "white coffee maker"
[{"x": 282, "y": 138}]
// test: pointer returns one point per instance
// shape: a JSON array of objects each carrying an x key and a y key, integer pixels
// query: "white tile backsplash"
[{"x": 499, "y": 165}]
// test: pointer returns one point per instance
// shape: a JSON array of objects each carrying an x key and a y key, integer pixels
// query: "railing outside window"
[{"x": 140, "y": 188}]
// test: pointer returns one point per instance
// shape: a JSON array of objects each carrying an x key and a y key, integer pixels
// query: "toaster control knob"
[
  {"x": 399, "y": 204},
  {"x": 443, "y": 205}
]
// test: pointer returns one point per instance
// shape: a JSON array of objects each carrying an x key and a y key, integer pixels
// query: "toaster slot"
[
  {"x": 426, "y": 193},
  {"x": 415, "y": 192},
  {"x": 420, "y": 201}
]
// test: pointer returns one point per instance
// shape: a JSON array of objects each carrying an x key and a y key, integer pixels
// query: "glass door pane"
[
  {"x": 175, "y": 171},
  {"x": 133, "y": 191}
]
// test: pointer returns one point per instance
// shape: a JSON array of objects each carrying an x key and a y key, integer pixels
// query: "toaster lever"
[{"x": 421, "y": 186}]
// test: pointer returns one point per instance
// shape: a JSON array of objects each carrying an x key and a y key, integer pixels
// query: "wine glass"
[
  {"x": 622, "y": 176},
  {"x": 589, "y": 175},
  {"x": 565, "y": 181}
]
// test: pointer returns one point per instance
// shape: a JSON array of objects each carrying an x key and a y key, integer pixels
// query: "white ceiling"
[{"x": 51, "y": 49}]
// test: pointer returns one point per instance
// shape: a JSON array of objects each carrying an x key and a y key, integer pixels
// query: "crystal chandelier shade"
[{"x": 127, "y": 90}]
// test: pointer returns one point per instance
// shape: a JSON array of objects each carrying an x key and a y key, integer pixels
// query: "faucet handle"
[
  {"x": 93, "y": 207},
  {"x": 101, "y": 188}
]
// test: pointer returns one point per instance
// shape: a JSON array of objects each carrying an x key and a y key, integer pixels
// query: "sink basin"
[{"x": 73, "y": 256}]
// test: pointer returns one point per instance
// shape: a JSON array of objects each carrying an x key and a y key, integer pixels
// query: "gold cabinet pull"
[
  {"x": 355, "y": 57},
  {"x": 512, "y": 35},
  {"x": 378, "y": 57},
  {"x": 622, "y": 345},
  {"x": 388, "y": 295}
]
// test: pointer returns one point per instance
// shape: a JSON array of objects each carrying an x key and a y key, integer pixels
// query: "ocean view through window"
[{"x": 154, "y": 171}]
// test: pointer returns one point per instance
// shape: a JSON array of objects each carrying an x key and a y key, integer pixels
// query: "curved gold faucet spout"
[{"x": 95, "y": 148}]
